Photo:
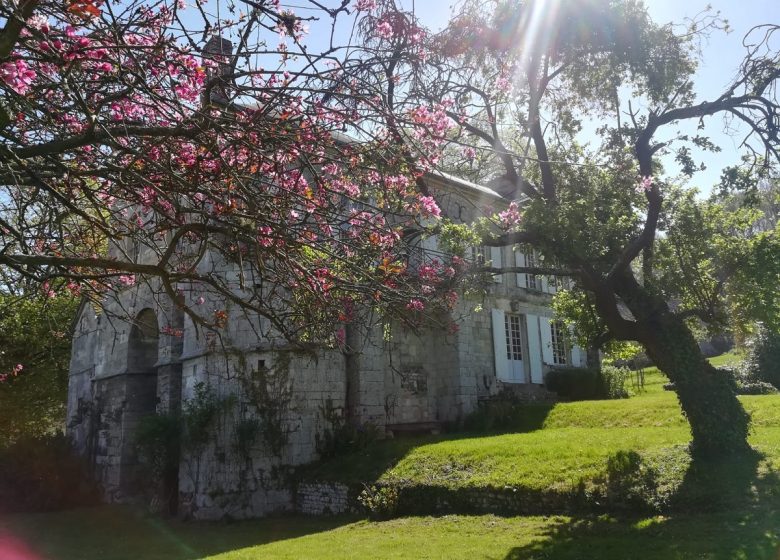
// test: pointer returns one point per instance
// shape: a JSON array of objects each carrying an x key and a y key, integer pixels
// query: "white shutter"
[
  {"x": 520, "y": 261},
  {"x": 532, "y": 324},
  {"x": 578, "y": 357},
  {"x": 495, "y": 258},
  {"x": 499, "y": 344},
  {"x": 544, "y": 285},
  {"x": 547, "y": 349}
]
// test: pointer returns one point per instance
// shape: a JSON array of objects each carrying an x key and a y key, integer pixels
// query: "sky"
[{"x": 722, "y": 54}]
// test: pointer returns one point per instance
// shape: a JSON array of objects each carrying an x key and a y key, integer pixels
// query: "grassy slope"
[
  {"x": 572, "y": 444},
  {"x": 556, "y": 447}
]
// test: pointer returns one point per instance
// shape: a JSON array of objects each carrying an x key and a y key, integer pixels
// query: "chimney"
[{"x": 219, "y": 51}]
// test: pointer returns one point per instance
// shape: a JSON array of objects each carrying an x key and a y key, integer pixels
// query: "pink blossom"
[
  {"x": 645, "y": 184},
  {"x": 48, "y": 291},
  {"x": 38, "y": 22},
  {"x": 200, "y": 301},
  {"x": 511, "y": 216},
  {"x": 469, "y": 153},
  {"x": 17, "y": 369},
  {"x": 429, "y": 207},
  {"x": 127, "y": 279},
  {"x": 365, "y": 5},
  {"x": 171, "y": 331},
  {"x": 451, "y": 298},
  {"x": 385, "y": 30},
  {"x": 503, "y": 84},
  {"x": 415, "y": 305},
  {"x": 18, "y": 75}
]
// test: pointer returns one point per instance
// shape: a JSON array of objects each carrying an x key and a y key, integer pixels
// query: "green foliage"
[
  {"x": 621, "y": 351},
  {"x": 380, "y": 502},
  {"x": 43, "y": 473},
  {"x": 158, "y": 439},
  {"x": 247, "y": 432},
  {"x": 576, "y": 308},
  {"x": 199, "y": 414},
  {"x": 270, "y": 391},
  {"x": 614, "y": 379},
  {"x": 34, "y": 332},
  {"x": 754, "y": 289},
  {"x": 762, "y": 362},
  {"x": 654, "y": 481},
  {"x": 455, "y": 239},
  {"x": 577, "y": 384},
  {"x": 340, "y": 436}
]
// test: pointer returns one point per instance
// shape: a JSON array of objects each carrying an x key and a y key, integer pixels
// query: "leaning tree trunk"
[{"x": 719, "y": 423}]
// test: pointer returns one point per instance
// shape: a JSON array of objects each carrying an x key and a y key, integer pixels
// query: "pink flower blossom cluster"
[
  {"x": 384, "y": 29},
  {"x": 429, "y": 207},
  {"x": 127, "y": 279},
  {"x": 469, "y": 153},
  {"x": 18, "y": 75},
  {"x": 17, "y": 369},
  {"x": 511, "y": 216},
  {"x": 365, "y": 5},
  {"x": 645, "y": 184}
]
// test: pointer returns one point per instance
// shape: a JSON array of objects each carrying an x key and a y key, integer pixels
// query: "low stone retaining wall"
[
  {"x": 324, "y": 498},
  {"x": 332, "y": 498}
]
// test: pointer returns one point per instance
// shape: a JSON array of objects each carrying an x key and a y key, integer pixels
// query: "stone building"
[{"x": 270, "y": 408}]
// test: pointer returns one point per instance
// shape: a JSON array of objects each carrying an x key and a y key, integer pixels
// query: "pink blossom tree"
[{"x": 143, "y": 141}]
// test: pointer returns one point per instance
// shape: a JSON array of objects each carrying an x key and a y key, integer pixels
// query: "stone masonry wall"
[{"x": 322, "y": 498}]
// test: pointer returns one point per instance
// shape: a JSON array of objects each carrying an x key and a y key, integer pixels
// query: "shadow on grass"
[
  {"x": 728, "y": 509},
  {"x": 370, "y": 463},
  {"x": 123, "y": 533}
]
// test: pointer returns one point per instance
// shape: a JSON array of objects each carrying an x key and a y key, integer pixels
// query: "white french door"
[
  {"x": 513, "y": 329},
  {"x": 508, "y": 345}
]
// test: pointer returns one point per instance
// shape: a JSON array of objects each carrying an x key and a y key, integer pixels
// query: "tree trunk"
[{"x": 719, "y": 423}]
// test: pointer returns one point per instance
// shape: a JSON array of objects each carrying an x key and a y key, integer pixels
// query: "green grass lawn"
[
  {"x": 732, "y": 507},
  {"x": 554, "y": 446},
  {"x": 116, "y": 533}
]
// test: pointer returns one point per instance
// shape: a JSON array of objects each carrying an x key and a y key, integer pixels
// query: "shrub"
[
  {"x": 763, "y": 359},
  {"x": 746, "y": 383},
  {"x": 755, "y": 388},
  {"x": 629, "y": 482},
  {"x": 381, "y": 502},
  {"x": 43, "y": 474},
  {"x": 579, "y": 384},
  {"x": 614, "y": 379}
]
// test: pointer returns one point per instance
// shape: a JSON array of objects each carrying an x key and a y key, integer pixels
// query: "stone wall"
[
  {"x": 323, "y": 498},
  {"x": 252, "y": 477}
]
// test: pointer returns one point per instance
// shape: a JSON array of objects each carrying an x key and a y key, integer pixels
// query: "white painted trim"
[
  {"x": 532, "y": 326},
  {"x": 499, "y": 345}
]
